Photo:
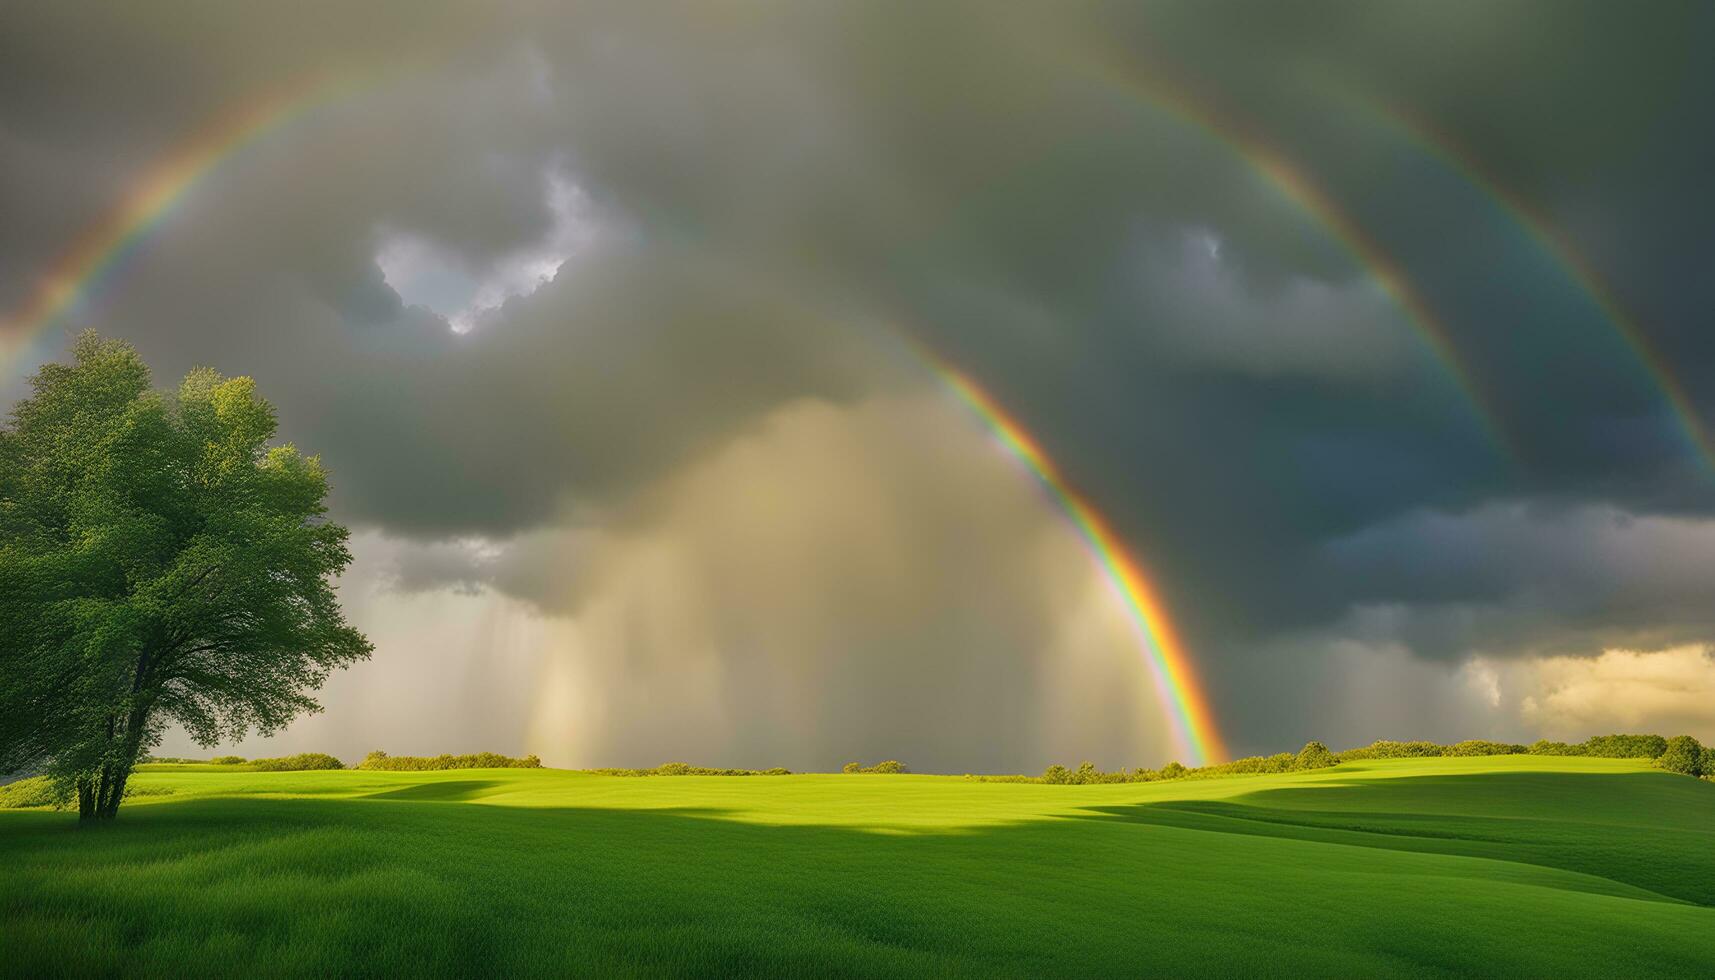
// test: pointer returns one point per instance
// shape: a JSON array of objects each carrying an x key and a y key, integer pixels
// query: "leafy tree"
[
  {"x": 1683, "y": 754},
  {"x": 159, "y": 562},
  {"x": 1624, "y": 746}
]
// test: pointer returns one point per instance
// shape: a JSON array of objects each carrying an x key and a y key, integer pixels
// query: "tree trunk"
[
  {"x": 100, "y": 793},
  {"x": 85, "y": 799}
]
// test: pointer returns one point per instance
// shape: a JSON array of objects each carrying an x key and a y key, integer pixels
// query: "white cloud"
[{"x": 429, "y": 274}]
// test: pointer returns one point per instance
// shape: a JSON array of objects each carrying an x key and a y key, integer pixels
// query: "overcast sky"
[{"x": 1381, "y": 332}]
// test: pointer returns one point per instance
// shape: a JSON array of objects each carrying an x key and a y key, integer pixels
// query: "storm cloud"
[{"x": 1358, "y": 320}]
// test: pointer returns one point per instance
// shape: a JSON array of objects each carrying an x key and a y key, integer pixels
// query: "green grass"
[{"x": 1509, "y": 865}]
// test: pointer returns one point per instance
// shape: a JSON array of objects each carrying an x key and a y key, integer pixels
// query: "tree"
[
  {"x": 1314, "y": 755},
  {"x": 159, "y": 562},
  {"x": 1683, "y": 754}
]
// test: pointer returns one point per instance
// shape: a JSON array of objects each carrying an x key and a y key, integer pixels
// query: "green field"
[{"x": 1511, "y": 865}]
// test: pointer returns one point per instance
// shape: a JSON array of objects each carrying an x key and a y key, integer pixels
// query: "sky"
[{"x": 1375, "y": 334}]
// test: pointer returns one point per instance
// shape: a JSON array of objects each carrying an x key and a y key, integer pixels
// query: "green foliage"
[
  {"x": 1545, "y": 747},
  {"x": 1480, "y": 747},
  {"x": 686, "y": 769},
  {"x": 1682, "y": 754},
  {"x": 160, "y": 564},
  {"x": 297, "y": 763},
  {"x": 1314, "y": 755},
  {"x": 419, "y": 763},
  {"x": 890, "y": 766},
  {"x": 227, "y": 760},
  {"x": 33, "y": 792},
  {"x": 1385, "y": 749},
  {"x": 1625, "y": 746},
  {"x": 1707, "y": 767}
]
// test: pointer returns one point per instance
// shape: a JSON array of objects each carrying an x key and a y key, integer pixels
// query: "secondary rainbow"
[
  {"x": 81, "y": 269},
  {"x": 1293, "y": 183},
  {"x": 1542, "y": 230},
  {"x": 1191, "y": 721}
]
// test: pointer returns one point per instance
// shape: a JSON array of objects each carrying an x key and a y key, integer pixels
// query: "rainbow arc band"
[
  {"x": 82, "y": 268},
  {"x": 1554, "y": 243},
  {"x": 1191, "y": 720},
  {"x": 1226, "y": 128}
]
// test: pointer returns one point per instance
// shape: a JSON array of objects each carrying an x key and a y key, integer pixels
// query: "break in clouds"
[{"x": 606, "y": 319}]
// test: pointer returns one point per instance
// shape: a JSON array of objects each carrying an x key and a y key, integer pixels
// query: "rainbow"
[
  {"x": 1554, "y": 243},
  {"x": 1296, "y": 186},
  {"x": 1191, "y": 720},
  {"x": 91, "y": 260}
]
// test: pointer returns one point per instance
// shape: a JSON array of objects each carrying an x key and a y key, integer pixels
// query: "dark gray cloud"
[{"x": 748, "y": 205}]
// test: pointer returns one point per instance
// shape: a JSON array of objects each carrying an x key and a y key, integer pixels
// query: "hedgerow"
[
  {"x": 424, "y": 763},
  {"x": 303, "y": 761},
  {"x": 1625, "y": 746},
  {"x": 686, "y": 769},
  {"x": 1683, "y": 754},
  {"x": 1476, "y": 746},
  {"x": 227, "y": 760},
  {"x": 890, "y": 766}
]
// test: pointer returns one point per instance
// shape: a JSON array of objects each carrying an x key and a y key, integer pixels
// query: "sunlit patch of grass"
[{"x": 1514, "y": 865}]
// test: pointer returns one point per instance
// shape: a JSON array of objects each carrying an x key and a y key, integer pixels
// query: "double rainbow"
[
  {"x": 1157, "y": 91},
  {"x": 1541, "y": 230}
]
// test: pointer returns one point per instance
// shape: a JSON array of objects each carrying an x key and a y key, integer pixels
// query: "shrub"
[
  {"x": 1708, "y": 766},
  {"x": 890, "y": 766},
  {"x": 34, "y": 791},
  {"x": 298, "y": 763},
  {"x": 1314, "y": 755},
  {"x": 1057, "y": 775},
  {"x": 227, "y": 760},
  {"x": 427, "y": 763},
  {"x": 1479, "y": 746},
  {"x": 684, "y": 769},
  {"x": 1545, "y": 747},
  {"x": 1683, "y": 754},
  {"x": 1173, "y": 770},
  {"x": 852, "y": 767},
  {"x": 1625, "y": 746},
  {"x": 1280, "y": 762},
  {"x": 1385, "y": 749}
]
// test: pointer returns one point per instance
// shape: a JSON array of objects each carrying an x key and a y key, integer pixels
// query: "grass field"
[{"x": 1512, "y": 865}]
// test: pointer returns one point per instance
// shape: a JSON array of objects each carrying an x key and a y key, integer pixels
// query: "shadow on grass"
[
  {"x": 447, "y": 792},
  {"x": 401, "y": 883},
  {"x": 1651, "y": 831}
]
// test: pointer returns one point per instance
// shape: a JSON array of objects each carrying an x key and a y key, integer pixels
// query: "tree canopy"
[{"x": 160, "y": 563}]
